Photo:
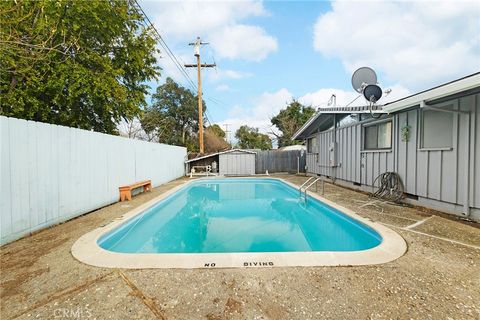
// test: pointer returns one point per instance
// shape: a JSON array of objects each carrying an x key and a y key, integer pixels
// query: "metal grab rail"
[
  {"x": 300, "y": 189},
  {"x": 311, "y": 184}
]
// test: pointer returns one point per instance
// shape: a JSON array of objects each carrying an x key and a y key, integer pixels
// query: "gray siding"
[
  {"x": 475, "y": 156},
  {"x": 353, "y": 164},
  {"x": 446, "y": 175},
  {"x": 237, "y": 163}
]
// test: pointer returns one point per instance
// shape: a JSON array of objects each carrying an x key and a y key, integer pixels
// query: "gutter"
[{"x": 448, "y": 89}]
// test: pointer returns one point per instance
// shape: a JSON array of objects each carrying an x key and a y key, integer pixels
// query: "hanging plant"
[{"x": 405, "y": 133}]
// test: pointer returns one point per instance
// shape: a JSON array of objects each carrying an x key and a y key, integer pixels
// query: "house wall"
[
  {"x": 352, "y": 164},
  {"x": 441, "y": 178},
  {"x": 449, "y": 175},
  {"x": 50, "y": 173},
  {"x": 237, "y": 163}
]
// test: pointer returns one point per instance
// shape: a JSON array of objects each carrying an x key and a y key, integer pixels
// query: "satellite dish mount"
[{"x": 364, "y": 81}]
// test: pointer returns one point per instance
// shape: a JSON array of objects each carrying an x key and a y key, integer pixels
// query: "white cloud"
[
  {"x": 187, "y": 18},
  {"x": 416, "y": 44},
  {"x": 221, "y": 74},
  {"x": 320, "y": 98},
  {"x": 269, "y": 104},
  {"x": 169, "y": 69},
  {"x": 266, "y": 106},
  {"x": 222, "y": 87},
  {"x": 243, "y": 42},
  {"x": 218, "y": 22}
]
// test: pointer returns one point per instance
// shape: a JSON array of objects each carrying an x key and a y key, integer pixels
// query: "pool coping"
[{"x": 86, "y": 249}]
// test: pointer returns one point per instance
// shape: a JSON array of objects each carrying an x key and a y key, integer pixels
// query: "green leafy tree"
[
  {"x": 173, "y": 116},
  {"x": 82, "y": 64},
  {"x": 214, "y": 139},
  {"x": 289, "y": 120},
  {"x": 215, "y": 129},
  {"x": 250, "y": 138}
]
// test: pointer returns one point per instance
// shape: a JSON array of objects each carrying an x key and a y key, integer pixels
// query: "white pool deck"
[{"x": 87, "y": 250}]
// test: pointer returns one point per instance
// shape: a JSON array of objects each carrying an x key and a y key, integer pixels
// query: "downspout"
[{"x": 334, "y": 166}]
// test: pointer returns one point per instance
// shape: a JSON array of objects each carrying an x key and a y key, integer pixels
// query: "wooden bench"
[{"x": 126, "y": 191}]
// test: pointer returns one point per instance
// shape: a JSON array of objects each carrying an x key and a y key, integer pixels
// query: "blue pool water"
[{"x": 239, "y": 215}]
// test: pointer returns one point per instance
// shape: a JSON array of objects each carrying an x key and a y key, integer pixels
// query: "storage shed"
[{"x": 237, "y": 162}]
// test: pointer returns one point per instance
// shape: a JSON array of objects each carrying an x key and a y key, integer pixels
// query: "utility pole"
[
  {"x": 199, "y": 67},
  {"x": 226, "y": 132}
]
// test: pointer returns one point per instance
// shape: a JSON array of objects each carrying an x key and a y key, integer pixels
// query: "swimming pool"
[{"x": 239, "y": 222}]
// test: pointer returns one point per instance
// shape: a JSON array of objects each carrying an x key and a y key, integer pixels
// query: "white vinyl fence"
[{"x": 51, "y": 173}]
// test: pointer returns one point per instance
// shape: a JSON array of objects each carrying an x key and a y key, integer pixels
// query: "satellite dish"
[
  {"x": 372, "y": 93},
  {"x": 363, "y": 77}
]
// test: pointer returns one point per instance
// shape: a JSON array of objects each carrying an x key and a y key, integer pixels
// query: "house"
[{"x": 431, "y": 139}]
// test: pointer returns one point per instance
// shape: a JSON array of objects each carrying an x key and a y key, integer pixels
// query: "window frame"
[
  {"x": 310, "y": 146},
  {"x": 377, "y": 124},
  {"x": 453, "y": 112}
]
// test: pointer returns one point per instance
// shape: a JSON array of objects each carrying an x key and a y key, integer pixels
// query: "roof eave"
[
  {"x": 435, "y": 93},
  {"x": 297, "y": 135},
  {"x": 304, "y": 127}
]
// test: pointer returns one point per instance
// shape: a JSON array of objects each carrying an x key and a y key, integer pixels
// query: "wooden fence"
[
  {"x": 280, "y": 161},
  {"x": 51, "y": 173}
]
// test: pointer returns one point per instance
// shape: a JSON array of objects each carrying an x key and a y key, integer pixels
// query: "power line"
[
  {"x": 178, "y": 64},
  {"x": 164, "y": 45},
  {"x": 208, "y": 116},
  {"x": 215, "y": 100}
]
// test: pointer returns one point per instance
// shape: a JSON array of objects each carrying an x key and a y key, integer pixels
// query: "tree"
[
  {"x": 214, "y": 143},
  {"x": 82, "y": 64},
  {"x": 217, "y": 130},
  {"x": 173, "y": 116},
  {"x": 133, "y": 129},
  {"x": 289, "y": 120},
  {"x": 250, "y": 138},
  {"x": 215, "y": 139}
]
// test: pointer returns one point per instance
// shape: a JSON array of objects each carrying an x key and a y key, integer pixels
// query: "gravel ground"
[{"x": 435, "y": 279}]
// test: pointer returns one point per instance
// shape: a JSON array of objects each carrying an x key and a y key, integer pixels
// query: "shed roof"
[{"x": 218, "y": 153}]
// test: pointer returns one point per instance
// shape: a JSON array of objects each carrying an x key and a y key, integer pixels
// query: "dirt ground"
[{"x": 438, "y": 277}]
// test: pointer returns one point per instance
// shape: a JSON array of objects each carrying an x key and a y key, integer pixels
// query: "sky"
[{"x": 270, "y": 52}]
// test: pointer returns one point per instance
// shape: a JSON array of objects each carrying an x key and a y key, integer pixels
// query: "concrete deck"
[{"x": 438, "y": 278}]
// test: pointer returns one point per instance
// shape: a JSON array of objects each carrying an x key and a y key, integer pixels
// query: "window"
[
  {"x": 378, "y": 136},
  {"x": 312, "y": 145},
  {"x": 437, "y": 129}
]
